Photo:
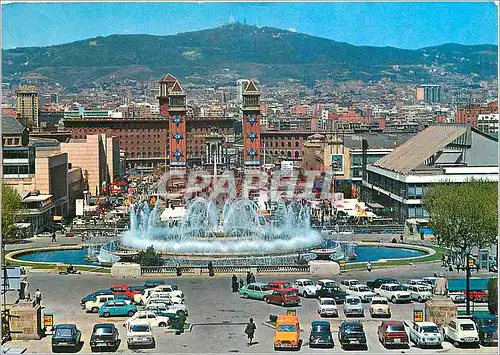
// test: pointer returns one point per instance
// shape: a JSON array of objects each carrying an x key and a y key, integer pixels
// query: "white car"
[
  {"x": 139, "y": 335},
  {"x": 327, "y": 307},
  {"x": 415, "y": 282},
  {"x": 379, "y": 307},
  {"x": 176, "y": 300},
  {"x": 94, "y": 305},
  {"x": 460, "y": 332},
  {"x": 346, "y": 284},
  {"x": 325, "y": 283},
  {"x": 362, "y": 291},
  {"x": 393, "y": 292},
  {"x": 168, "y": 304},
  {"x": 305, "y": 287},
  {"x": 142, "y": 297},
  {"x": 425, "y": 334},
  {"x": 45, "y": 234},
  {"x": 170, "y": 290},
  {"x": 420, "y": 293},
  {"x": 353, "y": 306},
  {"x": 457, "y": 297},
  {"x": 155, "y": 320}
]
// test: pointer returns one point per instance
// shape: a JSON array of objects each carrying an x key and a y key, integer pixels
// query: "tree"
[
  {"x": 149, "y": 257},
  {"x": 493, "y": 295},
  {"x": 463, "y": 216},
  {"x": 11, "y": 206}
]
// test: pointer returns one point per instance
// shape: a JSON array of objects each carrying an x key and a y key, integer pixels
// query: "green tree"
[
  {"x": 463, "y": 216},
  {"x": 149, "y": 257},
  {"x": 493, "y": 295},
  {"x": 11, "y": 206}
]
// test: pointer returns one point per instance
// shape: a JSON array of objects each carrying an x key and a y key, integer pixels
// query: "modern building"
[
  {"x": 470, "y": 114},
  {"x": 442, "y": 152},
  {"x": 488, "y": 123},
  {"x": 430, "y": 94},
  {"x": 27, "y": 107}
]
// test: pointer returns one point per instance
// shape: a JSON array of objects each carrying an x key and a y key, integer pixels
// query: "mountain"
[{"x": 247, "y": 51}]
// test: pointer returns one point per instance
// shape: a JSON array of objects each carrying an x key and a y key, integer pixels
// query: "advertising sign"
[
  {"x": 79, "y": 207},
  {"x": 418, "y": 315},
  {"x": 48, "y": 320},
  {"x": 337, "y": 164},
  {"x": 291, "y": 312}
]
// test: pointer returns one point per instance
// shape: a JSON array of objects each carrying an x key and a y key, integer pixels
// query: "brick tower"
[
  {"x": 177, "y": 125},
  {"x": 251, "y": 125}
]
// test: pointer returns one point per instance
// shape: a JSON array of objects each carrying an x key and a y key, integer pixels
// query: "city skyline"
[{"x": 402, "y": 25}]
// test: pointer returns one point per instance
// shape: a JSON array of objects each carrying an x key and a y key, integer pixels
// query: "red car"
[
  {"x": 481, "y": 296},
  {"x": 392, "y": 333},
  {"x": 280, "y": 285},
  {"x": 127, "y": 290},
  {"x": 283, "y": 297}
]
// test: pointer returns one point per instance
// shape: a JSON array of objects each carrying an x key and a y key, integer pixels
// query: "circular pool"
[{"x": 364, "y": 253}]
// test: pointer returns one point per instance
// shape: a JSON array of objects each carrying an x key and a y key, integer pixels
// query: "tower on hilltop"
[{"x": 251, "y": 124}]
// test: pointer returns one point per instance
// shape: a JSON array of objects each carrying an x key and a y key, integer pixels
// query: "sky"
[{"x": 402, "y": 25}]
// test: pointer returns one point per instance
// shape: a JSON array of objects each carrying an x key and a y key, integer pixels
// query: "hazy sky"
[{"x": 404, "y": 25}]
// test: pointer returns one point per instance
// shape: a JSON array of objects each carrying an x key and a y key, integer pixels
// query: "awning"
[{"x": 57, "y": 218}]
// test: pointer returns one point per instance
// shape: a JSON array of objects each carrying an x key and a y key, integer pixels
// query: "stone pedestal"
[
  {"x": 25, "y": 321},
  {"x": 324, "y": 268},
  {"x": 129, "y": 270},
  {"x": 440, "y": 310}
]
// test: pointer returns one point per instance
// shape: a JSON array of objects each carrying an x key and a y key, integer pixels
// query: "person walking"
[
  {"x": 38, "y": 296},
  {"x": 250, "y": 331},
  {"x": 369, "y": 266},
  {"x": 234, "y": 283},
  {"x": 252, "y": 277},
  {"x": 249, "y": 277}
]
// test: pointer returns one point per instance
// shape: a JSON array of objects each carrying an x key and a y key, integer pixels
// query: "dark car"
[
  {"x": 104, "y": 335},
  {"x": 393, "y": 333},
  {"x": 321, "y": 334},
  {"x": 487, "y": 328},
  {"x": 283, "y": 297},
  {"x": 380, "y": 281},
  {"x": 153, "y": 283},
  {"x": 334, "y": 292},
  {"x": 93, "y": 295},
  {"x": 352, "y": 334},
  {"x": 66, "y": 336}
]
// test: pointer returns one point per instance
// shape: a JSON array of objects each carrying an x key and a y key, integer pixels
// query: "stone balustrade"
[{"x": 226, "y": 270}]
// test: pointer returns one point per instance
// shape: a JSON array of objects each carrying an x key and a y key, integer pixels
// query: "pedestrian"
[
  {"x": 234, "y": 283},
  {"x": 53, "y": 236},
  {"x": 369, "y": 266},
  {"x": 401, "y": 237},
  {"x": 252, "y": 277},
  {"x": 250, "y": 331},
  {"x": 241, "y": 283},
  {"x": 38, "y": 296},
  {"x": 249, "y": 277},
  {"x": 421, "y": 235},
  {"x": 443, "y": 259}
]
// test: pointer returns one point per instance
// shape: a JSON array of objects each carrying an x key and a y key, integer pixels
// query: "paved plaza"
[{"x": 218, "y": 315}]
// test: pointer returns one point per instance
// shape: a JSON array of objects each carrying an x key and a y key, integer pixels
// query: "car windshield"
[
  {"x": 423, "y": 289},
  {"x": 379, "y": 302},
  {"x": 64, "y": 332},
  {"x": 285, "y": 285},
  {"x": 308, "y": 283},
  {"x": 353, "y": 300},
  {"x": 328, "y": 302},
  {"x": 320, "y": 328},
  {"x": 329, "y": 284},
  {"x": 489, "y": 322},
  {"x": 396, "y": 328},
  {"x": 104, "y": 330},
  {"x": 265, "y": 288},
  {"x": 467, "y": 326},
  {"x": 354, "y": 328},
  {"x": 287, "y": 328},
  {"x": 363, "y": 289},
  {"x": 430, "y": 329},
  {"x": 139, "y": 328},
  {"x": 290, "y": 294},
  {"x": 396, "y": 288}
]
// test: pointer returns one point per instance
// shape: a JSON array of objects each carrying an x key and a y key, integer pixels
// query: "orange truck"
[{"x": 287, "y": 333}]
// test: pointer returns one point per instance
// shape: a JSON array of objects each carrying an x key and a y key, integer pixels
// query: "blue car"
[
  {"x": 123, "y": 298},
  {"x": 487, "y": 328},
  {"x": 117, "y": 308},
  {"x": 66, "y": 336},
  {"x": 93, "y": 295}
]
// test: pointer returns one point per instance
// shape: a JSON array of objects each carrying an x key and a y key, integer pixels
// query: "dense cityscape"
[{"x": 222, "y": 211}]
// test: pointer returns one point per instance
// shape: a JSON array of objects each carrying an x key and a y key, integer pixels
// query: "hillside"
[{"x": 269, "y": 53}]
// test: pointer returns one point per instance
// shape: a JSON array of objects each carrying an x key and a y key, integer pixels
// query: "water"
[{"x": 364, "y": 253}]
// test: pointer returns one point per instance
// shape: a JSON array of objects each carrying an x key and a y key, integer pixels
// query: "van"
[{"x": 287, "y": 333}]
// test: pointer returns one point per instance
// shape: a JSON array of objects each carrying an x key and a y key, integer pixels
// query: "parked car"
[
  {"x": 140, "y": 335},
  {"x": 332, "y": 292},
  {"x": 155, "y": 319},
  {"x": 380, "y": 281},
  {"x": 117, "y": 308},
  {"x": 256, "y": 290},
  {"x": 391, "y": 332},
  {"x": 153, "y": 283},
  {"x": 327, "y": 307},
  {"x": 460, "y": 332},
  {"x": 457, "y": 297},
  {"x": 170, "y": 290},
  {"x": 175, "y": 300},
  {"x": 487, "y": 328},
  {"x": 325, "y": 283},
  {"x": 477, "y": 295},
  {"x": 321, "y": 334},
  {"x": 287, "y": 332},
  {"x": 104, "y": 335},
  {"x": 379, "y": 307},
  {"x": 425, "y": 334},
  {"x": 45, "y": 235},
  {"x": 280, "y": 285},
  {"x": 393, "y": 292},
  {"x": 415, "y": 282},
  {"x": 283, "y": 297},
  {"x": 346, "y": 284},
  {"x": 362, "y": 291},
  {"x": 352, "y": 333},
  {"x": 125, "y": 298},
  {"x": 167, "y": 304},
  {"x": 305, "y": 287},
  {"x": 127, "y": 290},
  {"x": 96, "y": 303},
  {"x": 353, "y": 306},
  {"x": 93, "y": 295},
  {"x": 65, "y": 336},
  {"x": 430, "y": 280},
  {"x": 419, "y": 293}
]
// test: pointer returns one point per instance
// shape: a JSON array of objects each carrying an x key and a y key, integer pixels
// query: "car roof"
[
  {"x": 289, "y": 289},
  {"x": 360, "y": 285},
  {"x": 464, "y": 321},
  {"x": 426, "y": 324},
  {"x": 122, "y": 285},
  {"x": 392, "y": 322},
  {"x": 390, "y": 284},
  {"x": 103, "y": 325},
  {"x": 326, "y": 280},
  {"x": 484, "y": 316},
  {"x": 326, "y": 298},
  {"x": 352, "y": 323},
  {"x": 304, "y": 280},
  {"x": 379, "y": 298},
  {"x": 65, "y": 326},
  {"x": 319, "y": 322},
  {"x": 352, "y": 296},
  {"x": 351, "y": 280},
  {"x": 258, "y": 284},
  {"x": 279, "y": 282}
]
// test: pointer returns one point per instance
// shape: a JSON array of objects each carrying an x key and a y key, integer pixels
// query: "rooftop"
[
  {"x": 10, "y": 125},
  {"x": 36, "y": 198}
]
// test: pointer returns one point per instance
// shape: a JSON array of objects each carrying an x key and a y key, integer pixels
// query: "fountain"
[{"x": 230, "y": 234}]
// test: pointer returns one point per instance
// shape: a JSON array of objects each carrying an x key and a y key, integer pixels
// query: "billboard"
[
  {"x": 79, "y": 207},
  {"x": 337, "y": 164}
]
